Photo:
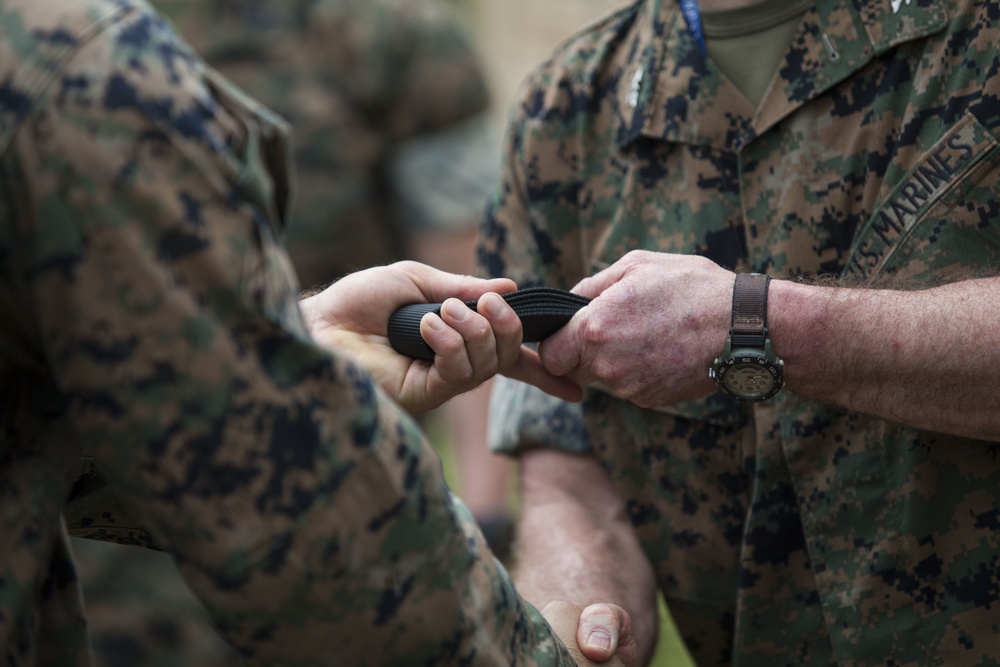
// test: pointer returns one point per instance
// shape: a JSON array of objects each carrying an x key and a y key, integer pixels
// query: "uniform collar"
[{"x": 673, "y": 92}]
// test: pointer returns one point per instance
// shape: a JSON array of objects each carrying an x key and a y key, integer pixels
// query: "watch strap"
[{"x": 749, "y": 323}]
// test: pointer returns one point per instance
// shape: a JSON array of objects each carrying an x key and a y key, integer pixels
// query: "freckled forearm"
[{"x": 917, "y": 357}]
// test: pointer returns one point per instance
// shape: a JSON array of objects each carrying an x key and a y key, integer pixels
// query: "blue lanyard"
[{"x": 693, "y": 16}]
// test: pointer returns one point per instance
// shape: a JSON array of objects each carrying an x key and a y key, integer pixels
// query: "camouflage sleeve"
[
  {"x": 303, "y": 507},
  {"x": 524, "y": 417}
]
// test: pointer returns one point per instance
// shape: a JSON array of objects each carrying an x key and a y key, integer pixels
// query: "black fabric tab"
[{"x": 542, "y": 310}]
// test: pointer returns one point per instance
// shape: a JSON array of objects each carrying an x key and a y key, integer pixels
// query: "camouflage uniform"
[
  {"x": 157, "y": 375},
  {"x": 359, "y": 81},
  {"x": 789, "y": 533},
  {"x": 369, "y": 86}
]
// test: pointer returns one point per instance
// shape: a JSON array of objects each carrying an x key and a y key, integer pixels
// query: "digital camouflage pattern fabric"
[
  {"x": 157, "y": 376},
  {"x": 356, "y": 79},
  {"x": 789, "y": 533},
  {"x": 365, "y": 85}
]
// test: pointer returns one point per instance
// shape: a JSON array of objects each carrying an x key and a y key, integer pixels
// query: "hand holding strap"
[{"x": 542, "y": 310}]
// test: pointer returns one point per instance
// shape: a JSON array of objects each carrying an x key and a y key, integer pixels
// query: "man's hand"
[
  {"x": 598, "y": 634},
  {"x": 654, "y": 326},
  {"x": 577, "y": 546},
  {"x": 351, "y": 316}
]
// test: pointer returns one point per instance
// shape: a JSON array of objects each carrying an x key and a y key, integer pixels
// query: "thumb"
[
  {"x": 593, "y": 286},
  {"x": 605, "y": 630}
]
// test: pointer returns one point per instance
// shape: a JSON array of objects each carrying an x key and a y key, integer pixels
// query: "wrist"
[
  {"x": 799, "y": 330},
  {"x": 748, "y": 368}
]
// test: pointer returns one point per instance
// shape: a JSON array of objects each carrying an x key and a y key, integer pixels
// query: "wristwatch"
[{"x": 748, "y": 368}]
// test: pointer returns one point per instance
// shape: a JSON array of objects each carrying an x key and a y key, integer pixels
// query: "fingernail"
[
  {"x": 434, "y": 322},
  {"x": 599, "y": 639},
  {"x": 456, "y": 309},
  {"x": 493, "y": 305}
]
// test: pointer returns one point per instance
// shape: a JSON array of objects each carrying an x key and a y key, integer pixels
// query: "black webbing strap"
[{"x": 543, "y": 311}]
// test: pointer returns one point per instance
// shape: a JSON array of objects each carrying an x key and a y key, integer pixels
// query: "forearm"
[
  {"x": 379, "y": 570},
  {"x": 306, "y": 510},
  {"x": 922, "y": 357},
  {"x": 576, "y": 542}
]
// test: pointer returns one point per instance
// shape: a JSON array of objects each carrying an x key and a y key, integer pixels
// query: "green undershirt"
[{"x": 747, "y": 44}]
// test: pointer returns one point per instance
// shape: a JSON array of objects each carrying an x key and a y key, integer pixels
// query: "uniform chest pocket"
[{"x": 943, "y": 217}]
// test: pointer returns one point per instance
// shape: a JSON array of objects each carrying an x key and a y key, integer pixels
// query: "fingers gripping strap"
[
  {"x": 542, "y": 310},
  {"x": 404, "y": 330}
]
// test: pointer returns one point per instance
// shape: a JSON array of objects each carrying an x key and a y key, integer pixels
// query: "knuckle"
[
  {"x": 608, "y": 373},
  {"x": 491, "y": 368},
  {"x": 450, "y": 344},
  {"x": 481, "y": 329},
  {"x": 464, "y": 375}
]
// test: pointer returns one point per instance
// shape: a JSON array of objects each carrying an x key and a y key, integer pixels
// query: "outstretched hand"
[{"x": 351, "y": 316}]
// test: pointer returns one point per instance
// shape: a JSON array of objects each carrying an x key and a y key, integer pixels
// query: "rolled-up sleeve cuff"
[{"x": 523, "y": 417}]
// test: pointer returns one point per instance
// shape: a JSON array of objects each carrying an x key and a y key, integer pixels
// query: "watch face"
[{"x": 749, "y": 375}]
